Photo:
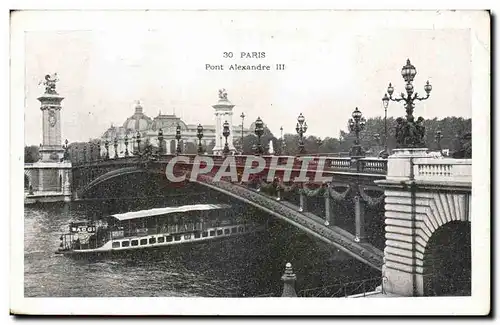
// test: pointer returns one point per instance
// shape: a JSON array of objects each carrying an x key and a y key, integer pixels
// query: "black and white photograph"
[{"x": 222, "y": 162}]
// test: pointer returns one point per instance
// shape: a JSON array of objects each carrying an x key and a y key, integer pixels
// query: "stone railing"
[
  {"x": 338, "y": 163},
  {"x": 443, "y": 170},
  {"x": 373, "y": 165},
  {"x": 332, "y": 164}
]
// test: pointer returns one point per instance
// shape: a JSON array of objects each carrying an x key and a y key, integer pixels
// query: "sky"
[{"x": 334, "y": 61}]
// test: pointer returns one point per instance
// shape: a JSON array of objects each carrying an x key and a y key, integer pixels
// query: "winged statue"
[{"x": 222, "y": 94}]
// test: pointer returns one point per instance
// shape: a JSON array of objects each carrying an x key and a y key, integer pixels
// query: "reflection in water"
[{"x": 240, "y": 266}]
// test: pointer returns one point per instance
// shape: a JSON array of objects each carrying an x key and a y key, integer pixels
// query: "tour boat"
[{"x": 154, "y": 228}]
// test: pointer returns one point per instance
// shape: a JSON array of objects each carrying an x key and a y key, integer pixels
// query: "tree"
[
  {"x": 250, "y": 142},
  {"x": 329, "y": 145},
  {"x": 452, "y": 130},
  {"x": 31, "y": 154},
  {"x": 291, "y": 144},
  {"x": 465, "y": 150}
]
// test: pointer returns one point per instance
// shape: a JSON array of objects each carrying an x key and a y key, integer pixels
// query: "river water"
[{"x": 237, "y": 267}]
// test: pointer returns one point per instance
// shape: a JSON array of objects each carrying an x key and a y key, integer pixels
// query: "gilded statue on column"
[{"x": 50, "y": 84}]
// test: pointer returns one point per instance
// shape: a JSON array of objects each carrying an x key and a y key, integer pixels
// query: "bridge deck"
[{"x": 311, "y": 224}]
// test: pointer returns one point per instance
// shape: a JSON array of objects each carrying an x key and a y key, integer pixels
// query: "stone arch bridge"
[{"x": 306, "y": 204}]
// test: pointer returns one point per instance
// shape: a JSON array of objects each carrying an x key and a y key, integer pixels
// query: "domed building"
[
  {"x": 139, "y": 121},
  {"x": 122, "y": 140}
]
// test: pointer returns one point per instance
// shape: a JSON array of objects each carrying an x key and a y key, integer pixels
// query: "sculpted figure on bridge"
[
  {"x": 410, "y": 133},
  {"x": 222, "y": 94},
  {"x": 50, "y": 83}
]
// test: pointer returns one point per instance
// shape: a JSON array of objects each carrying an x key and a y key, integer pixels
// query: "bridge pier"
[
  {"x": 423, "y": 197},
  {"x": 49, "y": 178}
]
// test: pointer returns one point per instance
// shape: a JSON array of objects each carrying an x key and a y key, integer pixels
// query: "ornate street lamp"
[
  {"x": 438, "y": 136},
  {"x": 301, "y": 129},
  {"x": 356, "y": 125},
  {"x": 116, "y": 147},
  {"x": 66, "y": 154},
  {"x": 91, "y": 151},
  {"x": 126, "y": 145},
  {"x": 84, "y": 153},
  {"x": 106, "y": 145},
  {"x": 199, "y": 134},
  {"x": 282, "y": 142},
  {"x": 242, "y": 120},
  {"x": 319, "y": 142},
  {"x": 226, "y": 133},
  {"x": 178, "y": 137},
  {"x": 138, "y": 140},
  {"x": 76, "y": 153},
  {"x": 409, "y": 133},
  {"x": 259, "y": 131},
  {"x": 160, "y": 141},
  {"x": 385, "y": 101}
]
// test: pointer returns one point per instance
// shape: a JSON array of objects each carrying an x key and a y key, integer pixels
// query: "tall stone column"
[
  {"x": 52, "y": 170},
  {"x": 51, "y": 149},
  {"x": 223, "y": 113},
  {"x": 402, "y": 267}
]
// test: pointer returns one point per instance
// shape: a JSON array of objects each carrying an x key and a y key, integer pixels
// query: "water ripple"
[{"x": 245, "y": 266}]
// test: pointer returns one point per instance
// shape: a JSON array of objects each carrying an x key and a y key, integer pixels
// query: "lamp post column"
[
  {"x": 160, "y": 141},
  {"x": 226, "y": 133},
  {"x": 301, "y": 129},
  {"x": 242, "y": 120},
  {"x": 356, "y": 125},
  {"x": 199, "y": 134},
  {"x": 259, "y": 131},
  {"x": 385, "y": 101},
  {"x": 282, "y": 142},
  {"x": 178, "y": 137},
  {"x": 409, "y": 133},
  {"x": 438, "y": 138}
]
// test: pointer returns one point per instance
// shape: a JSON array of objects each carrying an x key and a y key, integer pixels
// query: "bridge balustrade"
[
  {"x": 443, "y": 170},
  {"x": 367, "y": 165}
]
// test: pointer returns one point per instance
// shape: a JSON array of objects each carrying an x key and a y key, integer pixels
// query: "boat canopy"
[{"x": 168, "y": 210}]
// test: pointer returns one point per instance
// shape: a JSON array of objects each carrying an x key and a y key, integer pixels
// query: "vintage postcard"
[{"x": 238, "y": 162}]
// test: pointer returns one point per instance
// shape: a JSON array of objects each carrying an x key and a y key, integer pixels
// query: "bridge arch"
[
  {"x": 447, "y": 261},
  {"x": 444, "y": 243},
  {"x": 111, "y": 175},
  {"x": 438, "y": 210},
  {"x": 415, "y": 222}
]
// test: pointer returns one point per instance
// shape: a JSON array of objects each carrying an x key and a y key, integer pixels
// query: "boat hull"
[{"x": 105, "y": 251}]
